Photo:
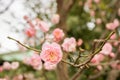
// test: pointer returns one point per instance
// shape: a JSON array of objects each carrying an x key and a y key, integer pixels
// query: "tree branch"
[
  {"x": 1, "y": 12},
  {"x": 30, "y": 48}
]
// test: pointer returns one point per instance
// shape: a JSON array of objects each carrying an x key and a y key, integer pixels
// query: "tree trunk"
[{"x": 63, "y": 8}]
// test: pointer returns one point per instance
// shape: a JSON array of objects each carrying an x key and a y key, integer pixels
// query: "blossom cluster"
[
  {"x": 9, "y": 66},
  {"x": 52, "y": 47}
]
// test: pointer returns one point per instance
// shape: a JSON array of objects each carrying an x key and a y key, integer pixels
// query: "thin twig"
[
  {"x": 83, "y": 65},
  {"x": 36, "y": 50},
  {"x": 77, "y": 75},
  {"x": 102, "y": 40},
  {"x": 8, "y": 6},
  {"x": 92, "y": 54}
]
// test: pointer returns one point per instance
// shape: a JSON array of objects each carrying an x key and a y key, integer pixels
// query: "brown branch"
[
  {"x": 30, "y": 48},
  {"x": 101, "y": 40},
  {"x": 92, "y": 54},
  {"x": 1, "y": 12},
  {"x": 77, "y": 75}
]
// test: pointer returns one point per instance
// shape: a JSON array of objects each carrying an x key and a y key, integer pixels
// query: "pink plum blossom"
[
  {"x": 51, "y": 53},
  {"x": 97, "y": 58},
  {"x": 39, "y": 67},
  {"x": 118, "y": 66},
  {"x": 116, "y": 43},
  {"x": 26, "y": 17},
  {"x": 80, "y": 41},
  {"x": 92, "y": 13},
  {"x": 116, "y": 22},
  {"x": 113, "y": 25},
  {"x": 110, "y": 26},
  {"x": 55, "y": 19},
  {"x": 14, "y": 65},
  {"x": 49, "y": 66},
  {"x": 113, "y": 36},
  {"x": 98, "y": 21},
  {"x": 107, "y": 49},
  {"x": 96, "y": 1},
  {"x": 112, "y": 55},
  {"x": 58, "y": 34},
  {"x": 26, "y": 60},
  {"x": 1, "y": 68},
  {"x": 35, "y": 61},
  {"x": 6, "y": 66},
  {"x": 115, "y": 65},
  {"x": 69, "y": 44},
  {"x": 42, "y": 25},
  {"x": 99, "y": 67},
  {"x": 29, "y": 21},
  {"x": 30, "y": 32}
]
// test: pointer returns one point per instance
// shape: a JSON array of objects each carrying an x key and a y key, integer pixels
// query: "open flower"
[
  {"x": 79, "y": 42},
  {"x": 58, "y": 34},
  {"x": 107, "y": 49},
  {"x": 1, "y": 68},
  {"x": 51, "y": 53},
  {"x": 69, "y": 44},
  {"x": 97, "y": 58},
  {"x": 14, "y": 65},
  {"x": 49, "y": 66},
  {"x": 113, "y": 25},
  {"x": 113, "y": 36},
  {"x": 6, "y": 66},
  {"x": 35, "y": 61},
  {"x": 30, "y": 32},
  {"x": 55, "y": 19},
  {"x": 42, "y": 25}
]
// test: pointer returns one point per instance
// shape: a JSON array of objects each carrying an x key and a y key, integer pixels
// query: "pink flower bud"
[
  {"x": 49, "y": 66},
  {"x": 55, "y": 19},
  {"x": 112, "y": 55},
  {"x": 30, "y": 32},
  {"x": 69, "y": 44},
  {"x": 14, "y": 65},
  {"x": 26, "y": 60},
  {"x": 92, "y": 13},
  {"x": 97, "y": 58},
  {"x": 58, "y": 34},
  {"x": 80, "y": 41},
  {"x": 35, "y": 61},
  {"x": 118, "y": 66},
  {"x": 99, "y": 67},
  {"x": 114, "y": 65},
  {"x": 42, "y": 25},
  {"x": 6, "y": 66},
  {"x": 110, "y": 26},
  {"x": 116, "y": 23},
  {"x": 1, "y": 69},
  {"x": 98, "y": 21},
  {"x": 107, "y": 49},
  {"x": 115, "y": 43},
  {"x": 113, "y": 36},
  {"x": 26, "y": 17}
]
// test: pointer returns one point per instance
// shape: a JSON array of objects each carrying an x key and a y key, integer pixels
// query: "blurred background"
[{"x": 84, "y": 19}]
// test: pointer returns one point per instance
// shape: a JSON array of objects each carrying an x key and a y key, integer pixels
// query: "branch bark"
[
  {"x": 1, "y": 12},
  {"x": 63, "y": 9}
]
